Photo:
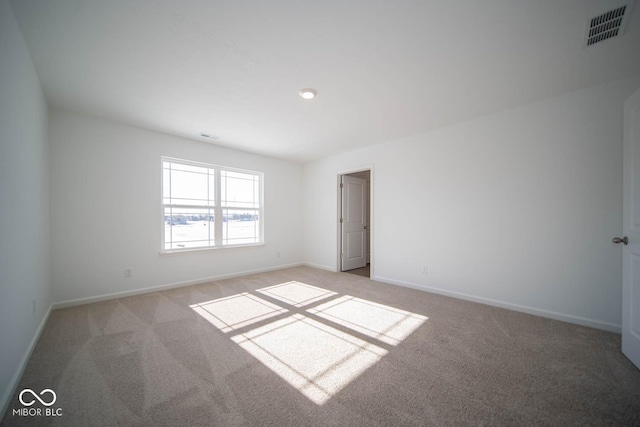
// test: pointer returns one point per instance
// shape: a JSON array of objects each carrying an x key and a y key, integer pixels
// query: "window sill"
[{"x": 174, "y": 252}]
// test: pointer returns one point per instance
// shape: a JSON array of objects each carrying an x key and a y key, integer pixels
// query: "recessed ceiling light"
[{"x": 308, "y": 93}]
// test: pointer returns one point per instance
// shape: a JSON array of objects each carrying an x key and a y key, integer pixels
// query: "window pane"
[
  {"x": 189, "y": 188},
  {"x": 240, "y": 190},
  {"x": 188, "y": 228},
  {"x": 187, "y": 185},
  {"x": 212, "y": 187},
  {"x": 240, "y": 226},
  {"x": 166, "y": 186},
  {"x": 187, "y": 168}
]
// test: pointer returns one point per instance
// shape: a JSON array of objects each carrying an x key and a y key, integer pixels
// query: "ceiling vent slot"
[{"x": 609, "y": 24}]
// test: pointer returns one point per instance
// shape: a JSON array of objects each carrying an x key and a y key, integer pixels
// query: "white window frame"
[{"x": 218, "y": 208}]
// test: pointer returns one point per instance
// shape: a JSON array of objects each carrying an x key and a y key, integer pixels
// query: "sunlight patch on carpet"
[
  {"x": 314, "y": 358},
  {"x": 314, "y": 339},
  {"x": 237, "y": 311},
  {"x": 387, "y": 324},
  {"x": 296, "y": 293}
]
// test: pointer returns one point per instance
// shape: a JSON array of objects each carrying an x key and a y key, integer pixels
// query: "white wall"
[
  {"x": 24, "y": 204},
  {"x": 106, "y": 209},
  {"x": 516, "y": 209}
]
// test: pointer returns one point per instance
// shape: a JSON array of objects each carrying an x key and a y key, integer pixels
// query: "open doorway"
[{"x": 354, "y": 222}]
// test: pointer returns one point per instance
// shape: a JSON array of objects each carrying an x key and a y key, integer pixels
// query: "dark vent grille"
[{"x": 607, "y": 25}]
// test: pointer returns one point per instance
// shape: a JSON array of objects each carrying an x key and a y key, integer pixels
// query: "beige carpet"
[
  {"x": 363, "y": 271},
  {"x": 307, "y": 347}
]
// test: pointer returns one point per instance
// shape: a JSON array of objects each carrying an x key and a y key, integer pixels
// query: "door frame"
[{"x": 371, "y": 215}]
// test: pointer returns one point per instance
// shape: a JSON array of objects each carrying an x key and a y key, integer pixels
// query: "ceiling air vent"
[{"x": 609, "y": 24}]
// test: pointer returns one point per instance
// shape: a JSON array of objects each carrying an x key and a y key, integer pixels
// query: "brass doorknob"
[{"x": 624, "y": 240}]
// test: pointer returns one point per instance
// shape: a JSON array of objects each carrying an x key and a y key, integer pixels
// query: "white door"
[
  {"x": 631, "y": 230},
  {"x": 353, "y": 223}
]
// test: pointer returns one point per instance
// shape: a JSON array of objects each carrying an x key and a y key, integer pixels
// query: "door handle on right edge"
[{"x": 617, "y": 240}]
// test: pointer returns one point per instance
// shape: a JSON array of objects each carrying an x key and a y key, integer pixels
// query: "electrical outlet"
[
  {"x": 127, "y": 272},
  {"x": 424, "y": 269}
]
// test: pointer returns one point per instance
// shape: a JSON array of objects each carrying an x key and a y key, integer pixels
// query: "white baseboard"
[
  {"x": 583, "y": 321},
  {"x": 320, "y": 267},
  {"x": 15, "y": 380},
  {"x": 123, "y": 294}
]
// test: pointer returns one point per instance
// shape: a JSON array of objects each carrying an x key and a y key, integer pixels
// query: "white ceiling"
[{"x": 382, "y": 69}]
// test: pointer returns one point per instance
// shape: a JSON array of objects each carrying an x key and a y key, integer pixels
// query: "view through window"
[{"x": 209, "y": 206}]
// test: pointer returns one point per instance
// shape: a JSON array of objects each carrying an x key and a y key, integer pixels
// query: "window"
[{"x": 207, "y": 206}]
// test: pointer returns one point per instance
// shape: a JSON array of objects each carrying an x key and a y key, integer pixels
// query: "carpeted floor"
[
  {"x": 363, "y": 271},
  {"x": 307, "y": 347}
]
